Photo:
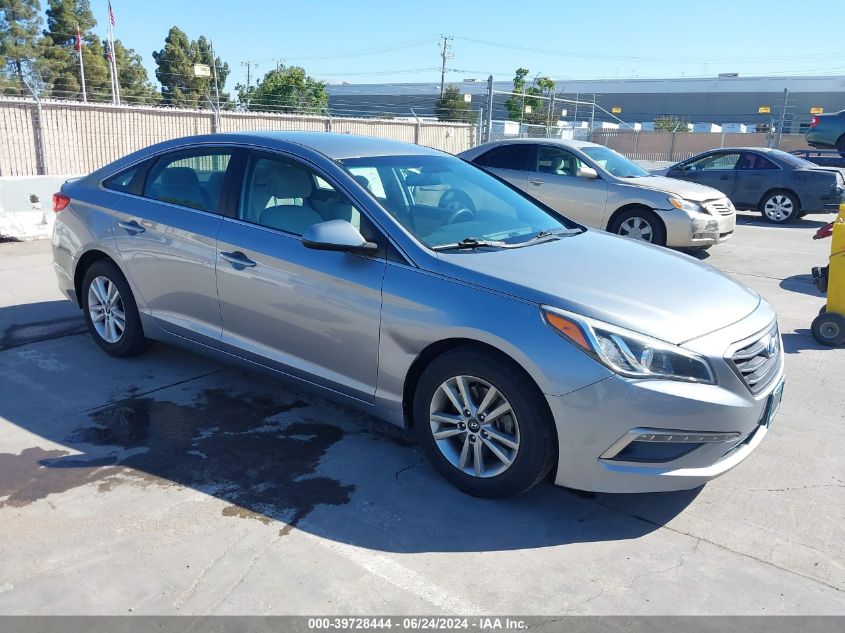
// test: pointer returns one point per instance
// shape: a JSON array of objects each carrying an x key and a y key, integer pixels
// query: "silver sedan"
[
  {"x": 515, "y": 342},
  {"x": 595, "y": 185}
]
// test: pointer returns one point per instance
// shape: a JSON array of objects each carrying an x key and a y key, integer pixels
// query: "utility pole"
[
  {"x": 445, "y": 53},
  {"x": 782, "y": 117},
  {"x": 216, "y": 89},
  {"x": 249, "y": 65},
  {"x": 489, "y": 121}
]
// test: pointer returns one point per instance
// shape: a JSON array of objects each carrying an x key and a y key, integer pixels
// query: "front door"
[
  {"x": 309, "y": 313},
  {"x": 714, "y": 170},
  {"x": 167, "y": 239},
  {"x": 556, "y": 182}
]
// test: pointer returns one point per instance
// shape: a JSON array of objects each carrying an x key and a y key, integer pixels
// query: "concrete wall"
[
  {"x": 26, "y": 206},
  {"x": 73, "y": 137}
]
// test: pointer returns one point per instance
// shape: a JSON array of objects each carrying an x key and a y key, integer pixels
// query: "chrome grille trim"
[
  {"x": 719, "y": 207},
  {"x": 757, "y": 360}
]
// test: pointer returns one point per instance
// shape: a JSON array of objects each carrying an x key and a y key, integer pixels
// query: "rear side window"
[
  {"x": 516, "y": 156},
  {"x": 191, "y": 179},
  {"x": 122, "y": 181}
]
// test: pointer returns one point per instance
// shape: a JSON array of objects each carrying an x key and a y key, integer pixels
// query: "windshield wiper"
[
  {"x": 472, "y": 242},
  {"x": 555, "y": 233}
]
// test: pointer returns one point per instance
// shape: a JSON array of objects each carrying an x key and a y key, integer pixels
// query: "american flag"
[
  {"x": 108, "y": 50},
  {"x": 78, "y": 39},
  {"x": 111, "y": 16}
]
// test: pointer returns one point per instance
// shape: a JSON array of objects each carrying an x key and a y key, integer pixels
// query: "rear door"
[
  {"x": 167, "y": 238},
  {"x": 555, "y": 181},
  {"x": 755, "y": 175},
  {"x": 309, "y": 313},
  {"x": 714, "y": 170}
]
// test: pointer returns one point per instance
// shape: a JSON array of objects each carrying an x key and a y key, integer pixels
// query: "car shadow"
[
  {"x": 274, "y": 455},
  {"x": 801, "y": 340},
  {"x": 802, "y": 284},
  {"x": 748, "y": 218}
]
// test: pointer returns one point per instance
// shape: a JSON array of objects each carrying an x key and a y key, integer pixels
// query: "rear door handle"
[
  {"x": 536, "y": 181},
  {"x": 131, "y": 227},
  {"x": 237, "y": 259}
]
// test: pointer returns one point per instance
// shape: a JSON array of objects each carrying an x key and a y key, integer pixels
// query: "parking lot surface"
[{"x": 171, "y": 484}]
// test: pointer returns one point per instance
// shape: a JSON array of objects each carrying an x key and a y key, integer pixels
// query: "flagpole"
[{"x": 81, "y": 65}]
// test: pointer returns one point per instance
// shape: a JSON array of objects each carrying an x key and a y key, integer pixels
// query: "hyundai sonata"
[{"x": 516, "y": 343}]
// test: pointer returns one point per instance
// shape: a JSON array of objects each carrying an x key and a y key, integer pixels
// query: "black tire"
[
  {"x": 778, "y": 200},
  {"x": 801, "y": 214},
  {"x": 537, "y": 450},
  {"x": 132, "y": 340},
  {"x": 829, "y": 329},
  {"x": 840, "y": 146},
  {"x": 658, "y": 230}
]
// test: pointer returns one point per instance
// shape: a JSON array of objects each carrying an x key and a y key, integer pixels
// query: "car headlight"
[
  {"x": 628, "y": 353},
  {"x": 685, "y": 205}
]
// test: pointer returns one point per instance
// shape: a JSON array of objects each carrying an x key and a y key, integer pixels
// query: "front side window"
[
  {"x": 190, "y": 179},
  {"x": 283, "y": 194},
  {"x": 517, "y": 156},
  {"x": 713, "y": 162},
  {"x": 442, "y": 200},
  {"x": 557, "y": 161}
]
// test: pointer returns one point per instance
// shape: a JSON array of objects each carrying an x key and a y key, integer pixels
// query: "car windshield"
[
  {"x": 443, "y": 200},
  {"x": 614, "y": 163}
]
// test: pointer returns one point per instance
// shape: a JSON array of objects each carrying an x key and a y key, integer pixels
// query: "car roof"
[{"x": 334, "y": 145}]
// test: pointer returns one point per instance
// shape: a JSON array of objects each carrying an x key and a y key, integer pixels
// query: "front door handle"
[
  {"x": 237, "y": 259},
  {"x": 131, "y": 227},
  {"x": 536, "y": 181}
]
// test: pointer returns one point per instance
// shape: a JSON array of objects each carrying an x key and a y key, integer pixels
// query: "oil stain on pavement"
[{"x": 232, "y": 446}]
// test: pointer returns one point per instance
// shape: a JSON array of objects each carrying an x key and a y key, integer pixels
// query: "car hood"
[
  {"x": 645, "y": 288},
  {"x": 688, "y": 190}
]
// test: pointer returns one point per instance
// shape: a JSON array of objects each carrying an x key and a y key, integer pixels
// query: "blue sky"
[{"x": 380, "y": 41}]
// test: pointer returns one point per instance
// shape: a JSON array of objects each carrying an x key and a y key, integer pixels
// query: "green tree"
[
  {"x": 135, "y": 85},
  {"x": 286, "y": 89},
  {"x": 526, "y": 105},
  {"x": 60, "y": 61},
  {"x": 670, "y": 124},
  {"x": 175, "y": 71},
  {"x": 452, "y": 107},
  {"x": 20, "y": 23}
]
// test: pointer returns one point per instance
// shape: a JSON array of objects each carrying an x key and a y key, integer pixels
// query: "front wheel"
[
  {"x": 779, "y": 207},
  {"x": 110, "y": 311},
  {"x": 482, "y": 425},
  {"x": 639, "y": 224}
]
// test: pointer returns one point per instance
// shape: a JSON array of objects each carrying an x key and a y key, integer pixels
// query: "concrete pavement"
[{"x": 172, "y": 484}]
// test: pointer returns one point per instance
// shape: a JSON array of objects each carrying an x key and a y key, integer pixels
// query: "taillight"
[
  {"x": 60, "y": 202},
  {"x": 815, "y": 121}
]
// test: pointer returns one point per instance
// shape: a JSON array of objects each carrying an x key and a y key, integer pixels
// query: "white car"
[{"x": 599, "y": 187}]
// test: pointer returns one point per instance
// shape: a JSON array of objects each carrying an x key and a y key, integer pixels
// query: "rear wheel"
[
  {"x": 639, "y": 224},
  {"x": 840, "y": 146},
  {"x": 110, "y": 310},
  {"x": 779, "y": 207},
  {"x": 482, "y": 425}
]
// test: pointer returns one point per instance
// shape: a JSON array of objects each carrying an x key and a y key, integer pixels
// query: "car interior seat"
[
  {"x": 286, "y": 185},
  {"x": 180, "y": 185}
]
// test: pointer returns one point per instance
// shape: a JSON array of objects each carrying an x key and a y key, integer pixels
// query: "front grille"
[
  {"x": 758, "y": 362},
  {"x": 719, "y": 207}
]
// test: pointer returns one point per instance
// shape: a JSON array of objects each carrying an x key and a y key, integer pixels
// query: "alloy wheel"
[
  {"x": 105, "y": 306},
  {"x": 637, "y": 228},
  {"x": 778, "y": 208},
  {"x": 474, "y": 426}
]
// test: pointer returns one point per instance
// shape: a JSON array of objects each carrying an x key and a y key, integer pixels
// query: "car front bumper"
[
  {"x": 623, "y": 435},
  {"x": 683, "y": 231}
]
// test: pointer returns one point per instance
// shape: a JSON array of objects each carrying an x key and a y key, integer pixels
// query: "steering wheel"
[{"x": 461, "y": 215}]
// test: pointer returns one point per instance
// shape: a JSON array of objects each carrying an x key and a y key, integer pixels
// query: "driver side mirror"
[
  {"x": 336, "y": 235},
  {"x": 587, "y": 172}
]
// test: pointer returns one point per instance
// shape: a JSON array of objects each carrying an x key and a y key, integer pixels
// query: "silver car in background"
[
  {"x": 599, "y": 187},
  {"x": 515, "y": 342}
]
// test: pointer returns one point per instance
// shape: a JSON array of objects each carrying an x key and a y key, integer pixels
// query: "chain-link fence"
[{"x": 65, "y": 137}]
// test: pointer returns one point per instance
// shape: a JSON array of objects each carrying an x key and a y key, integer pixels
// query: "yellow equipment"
[{"x": 829, "y": 327}]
